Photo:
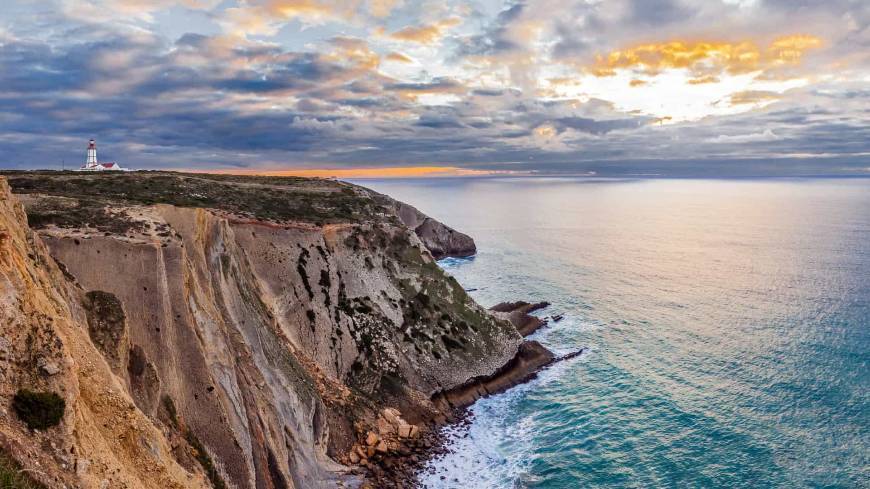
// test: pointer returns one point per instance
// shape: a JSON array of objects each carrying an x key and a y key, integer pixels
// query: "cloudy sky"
[{"x": 616, "y": 87}]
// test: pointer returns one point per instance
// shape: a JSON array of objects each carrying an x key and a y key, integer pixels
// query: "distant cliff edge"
[{"x": 168, "y": 330}]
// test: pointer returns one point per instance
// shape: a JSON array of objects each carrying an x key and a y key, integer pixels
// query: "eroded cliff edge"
[{"x": 262, "y": 329}]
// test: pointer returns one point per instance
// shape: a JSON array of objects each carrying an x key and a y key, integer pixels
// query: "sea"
[{"x": 726, "y": 325}]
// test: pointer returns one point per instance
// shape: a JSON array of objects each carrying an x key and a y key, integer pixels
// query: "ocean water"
[{"x": 727, "y": 324}]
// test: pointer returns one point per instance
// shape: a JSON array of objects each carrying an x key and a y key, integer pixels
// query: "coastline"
[{"x": 404, "y": 470}]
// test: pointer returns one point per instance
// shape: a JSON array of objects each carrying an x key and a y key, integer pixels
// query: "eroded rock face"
[
  {"x": 107, "y": 326},
  {"x": 102, "y": 440},
  {"x": 441, "y": 240},
  {"x": 530, "y": 358},
  {"x": 519, "y": 314},
  {"x": 265, "y": 350}
]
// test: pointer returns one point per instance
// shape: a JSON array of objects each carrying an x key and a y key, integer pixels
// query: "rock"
[
  {"x": 381, "y": 447},
  {"x": 531, "y": 357},
  {"x": 393, "y": 416},
  {"x": 519, "y": 314},
  {"x": 82, "y": 465},
  {"x": 354, "y": 458},
  {"x": 361, "y": 452},
  {"x": 372, "y": 439},
  {"x": 441, "y": 240},
  {"x": 405, "y": 431},
  {"x": 5, "y": 348},
  {"x": 385, "y": 428},
  {"x": 48, "y": 367}
]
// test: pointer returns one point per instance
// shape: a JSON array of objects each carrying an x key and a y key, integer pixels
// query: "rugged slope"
[
  {"x": 102, "y": 440},
  {"x": 264, "y": 329}
]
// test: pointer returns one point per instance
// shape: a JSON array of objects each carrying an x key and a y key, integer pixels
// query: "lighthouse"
[
  {"x": 92, "y": 155},
  {"x": 91, "y": 163}
]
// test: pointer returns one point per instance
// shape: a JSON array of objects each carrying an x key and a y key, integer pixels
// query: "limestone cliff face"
[
  {"x": 441, "y": 240},
  {"x": 102, "y": 440},
  {"x": 255, "y": 352}
]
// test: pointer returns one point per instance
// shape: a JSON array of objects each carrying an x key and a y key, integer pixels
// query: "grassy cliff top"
[{"x": 82, "y": 197}]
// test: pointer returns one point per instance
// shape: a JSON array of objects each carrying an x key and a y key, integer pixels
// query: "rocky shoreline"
[{"x": 400, "y": 468}]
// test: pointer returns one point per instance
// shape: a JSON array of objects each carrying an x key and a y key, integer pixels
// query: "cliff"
[
  {"x": 226, "y": 331},
  {"x": 441, "y": 240}
]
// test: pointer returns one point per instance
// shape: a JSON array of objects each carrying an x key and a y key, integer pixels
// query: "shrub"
[
  {"x": 205, "y": 461},
  {"x": 39, "y": 410},
  {"x": 13, "y": 477}
]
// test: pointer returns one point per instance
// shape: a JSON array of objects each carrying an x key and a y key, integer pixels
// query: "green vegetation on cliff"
[
  {"x": 13, "y": 477},
  {"x": 89, "y": 197},
  {"x": 39, "y": 410}
]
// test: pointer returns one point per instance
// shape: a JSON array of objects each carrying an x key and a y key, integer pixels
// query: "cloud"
[
  {"x": 383, "y": 8},
  {"x": 266, "y": 17},
  {"x": 426, "y": 33},
  {"x": 753, "y": 97},
  {"x": 272, "y": 83},
  {"x": 437, "y": 86},
  {"x": 705, "y": 59},
  {"x": 113, "y": 10},
  {"x": 766, "y": 135},
  {"x": 399, "y": 57}
]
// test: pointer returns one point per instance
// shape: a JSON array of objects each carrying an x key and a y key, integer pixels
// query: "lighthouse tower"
[{"x": 91, "y": 162}]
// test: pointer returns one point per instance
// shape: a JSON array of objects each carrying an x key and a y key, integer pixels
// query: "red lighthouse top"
[{"x": 92, "y": 144}]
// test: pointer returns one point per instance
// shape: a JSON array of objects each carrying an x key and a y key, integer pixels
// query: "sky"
[{"x": 405, "y": 87}]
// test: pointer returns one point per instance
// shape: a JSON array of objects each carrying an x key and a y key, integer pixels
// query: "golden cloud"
[
  {"x": 703, "y": 79},
  {"x": 705, "y": 59},
  {"x": 637, "y": 82},
  {"x": 399, "y": 58},
  {"x": 563, "y": 81},
  {"x": 383, "y": 8},
  {"x": 753, "y": 97},
  {"x": 353, "y": 52},
  {"x": 545, "y": 131},
  {"x": 427, "y": 33},
  {"x": 264, "y": 17}
]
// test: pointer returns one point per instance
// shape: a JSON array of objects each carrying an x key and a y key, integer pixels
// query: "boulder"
[
  {"x": 381, "y": 447},
  {"x": 48, "y": 367}
]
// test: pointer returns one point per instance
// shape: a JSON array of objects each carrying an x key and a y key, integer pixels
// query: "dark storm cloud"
[{"x": 593, "y": 126}]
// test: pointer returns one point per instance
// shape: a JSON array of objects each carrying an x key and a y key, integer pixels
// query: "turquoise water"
[{"x": 727, "y": 322}]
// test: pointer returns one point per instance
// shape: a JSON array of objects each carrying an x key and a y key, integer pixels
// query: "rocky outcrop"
[
  {"x": 530, "y": 359},
  {"x": 252, "y": 345},
  {"x": 519, "y": 314},
  {"x": 441, "y": 240}
]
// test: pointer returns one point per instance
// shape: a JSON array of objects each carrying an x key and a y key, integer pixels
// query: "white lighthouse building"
[{"x": 91, "y": 164}]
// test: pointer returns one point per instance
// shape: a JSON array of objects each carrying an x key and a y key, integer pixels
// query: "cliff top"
[{"x": 82, "y": 198}]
